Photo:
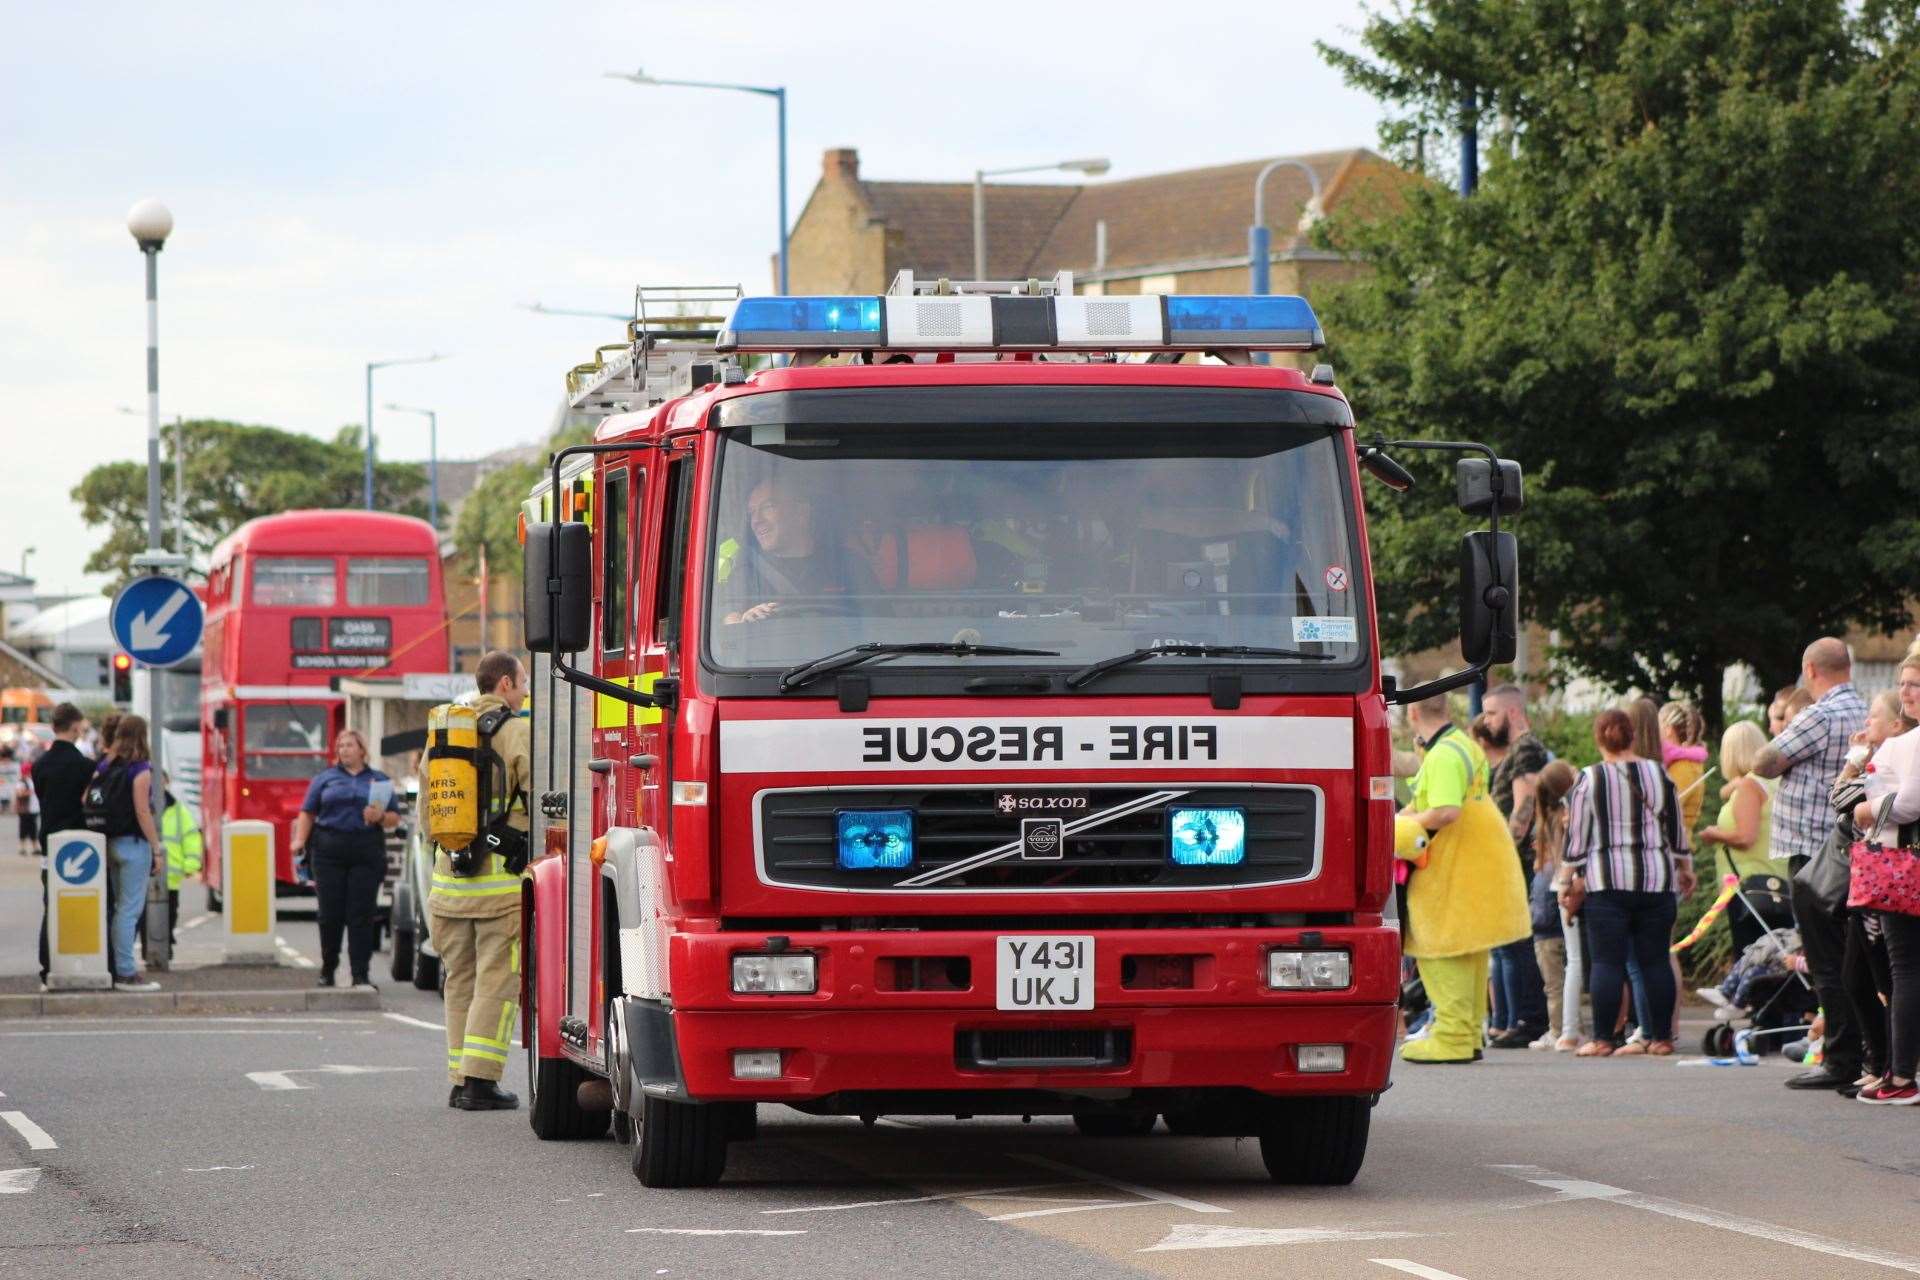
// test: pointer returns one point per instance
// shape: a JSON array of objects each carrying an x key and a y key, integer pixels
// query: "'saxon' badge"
[{"x": 1041, "y": 839}]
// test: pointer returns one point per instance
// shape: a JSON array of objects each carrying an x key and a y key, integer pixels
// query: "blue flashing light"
[
  {"x": 797, "y": 319},
  {"x": 1207, "y": 837},
  {"x": 1280, "y": 320},
  {"x": 874, "y": 839}
]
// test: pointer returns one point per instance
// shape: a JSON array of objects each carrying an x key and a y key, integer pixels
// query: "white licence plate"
[{"x": 1039, "y": 973}]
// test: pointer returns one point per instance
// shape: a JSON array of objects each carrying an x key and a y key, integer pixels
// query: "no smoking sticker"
[{"x": 1336, "y": 578}]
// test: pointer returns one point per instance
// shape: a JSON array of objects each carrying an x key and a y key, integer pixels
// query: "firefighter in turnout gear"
[{"x": 474, "y": 911}]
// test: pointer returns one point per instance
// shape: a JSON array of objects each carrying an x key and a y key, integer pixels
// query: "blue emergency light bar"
[{"x": 998, "y": 322}]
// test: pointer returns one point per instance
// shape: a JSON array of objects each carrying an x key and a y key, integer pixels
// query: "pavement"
[{"x": 308, "y": 1144}]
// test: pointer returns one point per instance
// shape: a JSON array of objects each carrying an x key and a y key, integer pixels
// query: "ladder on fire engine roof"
[
  {"x": 669, "y": 339},
  {"x": 905, "y": 286}
]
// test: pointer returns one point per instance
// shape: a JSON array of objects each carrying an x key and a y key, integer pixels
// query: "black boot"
[
  {"x": 485, "y": 1095},
  {"x": 325, "y": 979},
  {"x": 453, "y": 1096}
]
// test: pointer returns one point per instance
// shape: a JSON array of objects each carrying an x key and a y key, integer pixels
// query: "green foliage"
[
  {"x": 1682, "y": 296},
  {"x": 233, "y": 474},
  {"x": 1569, "y": 735},
  {"x": 490, "y": 516}
]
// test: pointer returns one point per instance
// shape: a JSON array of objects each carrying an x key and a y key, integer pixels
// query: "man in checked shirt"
[{"x": 1807, "y": 757}]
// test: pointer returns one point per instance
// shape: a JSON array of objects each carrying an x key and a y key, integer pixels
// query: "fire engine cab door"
[{"x": 618, "y": 499}]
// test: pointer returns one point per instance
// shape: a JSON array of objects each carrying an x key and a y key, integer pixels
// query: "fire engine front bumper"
[{"x": 874, "y": 1026}]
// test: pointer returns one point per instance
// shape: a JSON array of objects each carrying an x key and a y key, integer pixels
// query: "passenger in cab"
[{"x": 786, "y": 559}]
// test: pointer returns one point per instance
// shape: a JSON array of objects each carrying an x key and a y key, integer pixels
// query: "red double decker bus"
[{"x": 295, "y": 602}]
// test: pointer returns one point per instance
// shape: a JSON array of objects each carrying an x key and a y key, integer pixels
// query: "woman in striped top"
[{"x": 1627, "y": 858}]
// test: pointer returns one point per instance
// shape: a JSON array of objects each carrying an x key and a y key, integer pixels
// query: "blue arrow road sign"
[
  {"x": 77, "y": 862},
  {"x": 156, "y": 620}
]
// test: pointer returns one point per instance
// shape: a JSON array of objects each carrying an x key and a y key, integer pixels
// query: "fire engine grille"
[
  {"x": 1032, "y": 1048},
  {"x": 963, "y": 826}
]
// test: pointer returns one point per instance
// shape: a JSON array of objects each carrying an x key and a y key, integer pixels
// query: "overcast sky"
[{"x": 354, "y": 182}]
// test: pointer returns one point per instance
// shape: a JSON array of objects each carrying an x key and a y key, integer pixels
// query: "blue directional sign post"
[{"x": 157, "y": 620}]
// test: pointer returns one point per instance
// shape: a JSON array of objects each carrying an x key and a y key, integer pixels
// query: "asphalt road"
[{"x": 226, "y": 1147}]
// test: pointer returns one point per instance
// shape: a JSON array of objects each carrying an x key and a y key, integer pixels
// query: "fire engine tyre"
[
  {"x": 401, "y": 965},
  {"x": 1097, "y": 1125},
  {"x": 1315, "y": 1142},
  {"x": 553, "y": 1084},
  {"x": 682, "y": 1144}
]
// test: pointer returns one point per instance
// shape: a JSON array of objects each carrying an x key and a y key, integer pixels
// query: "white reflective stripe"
[{"x": 271, "y": 693}]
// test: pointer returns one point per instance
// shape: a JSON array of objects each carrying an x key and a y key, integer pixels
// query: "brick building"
[{"x": 1165, "y": 233}]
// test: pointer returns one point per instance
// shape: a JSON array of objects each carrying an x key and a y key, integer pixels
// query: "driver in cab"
[{"x": 786, "y": 557}]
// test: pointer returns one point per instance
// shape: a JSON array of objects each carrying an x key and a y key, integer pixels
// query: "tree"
[
  {"x": 1683, "y": 295},
  {"x": 233, "y": 474},
  {"x": 490, "y": 516}
]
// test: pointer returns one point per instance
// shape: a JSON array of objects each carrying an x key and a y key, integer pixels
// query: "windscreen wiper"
[
  {"x": 807, "y": 672},
  {"x": 1088, "y": 674}
]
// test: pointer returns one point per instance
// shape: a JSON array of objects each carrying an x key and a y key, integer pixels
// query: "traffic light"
[{"x": 122, "y": 678}]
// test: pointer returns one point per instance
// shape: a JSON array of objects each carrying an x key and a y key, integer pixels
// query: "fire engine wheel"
[
  {"x": 1315, "y": 1142},
  {"x": 401, "y": 965},
  {"x": 682, "y": 1144},
  {"x": 426, "y": 968},
  {"x": 553, "y": 1084},
  {"x": 1098, "y": 1125}
]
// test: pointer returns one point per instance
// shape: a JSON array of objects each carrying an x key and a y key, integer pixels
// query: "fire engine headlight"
[
  {"x": 1207, "y": 837},
  {"x": 1309, "y": 970},
  {"x": 793, "y": 973},
  {"x": 874, "y": 839}
]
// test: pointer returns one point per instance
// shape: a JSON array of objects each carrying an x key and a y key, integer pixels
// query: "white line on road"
[
  {"x": 1193, "y": 1235},
  {"x": 1415, "y": 1269},
  {"x": 281, "y": 1081},
  {"x": 37, "y": 1138},
  {"x": 15, "y": 1182},
  {"x": 293, "y": 956},
  {"x": 705, "y": 1231},
  {"x": 1579, "y": 1189},
  {"x": 221, "y": 1168},
  {"x": 422, "y": 1023},
  {"x": 1095, "y": 1206},
  {"x": 196, "y": 922},
  {"x": 978, "y": 1193},
  {"x": 1164, "y": 1197}
]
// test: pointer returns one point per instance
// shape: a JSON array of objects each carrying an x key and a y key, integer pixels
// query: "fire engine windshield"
[{"x": 1086, "y": 539}]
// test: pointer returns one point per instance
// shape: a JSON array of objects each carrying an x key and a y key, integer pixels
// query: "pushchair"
[{"x": 1766, "y": 998}]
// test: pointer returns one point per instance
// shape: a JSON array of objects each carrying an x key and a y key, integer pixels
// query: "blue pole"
[
  {"x": 780, "y": 99},
  {"x": 1469, "y": 146},
  {"x": 1259, "y": 257}
]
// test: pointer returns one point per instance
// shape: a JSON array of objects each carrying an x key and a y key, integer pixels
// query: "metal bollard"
[
  {"x": 77, "y": 911},
  {"x": 246, "y": 890}
]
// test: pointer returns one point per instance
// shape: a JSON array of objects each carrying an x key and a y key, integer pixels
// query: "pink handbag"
[{"x": 1884, "y": 878}]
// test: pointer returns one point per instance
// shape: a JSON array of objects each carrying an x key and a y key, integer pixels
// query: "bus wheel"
[
  {"x": 682, "y": 1144},
  {"x": 1101, "y": 1125},
  {"x": 1315, "y": 1142},
  {"x": 553, "y": 1104},
  {"x": 401, "y": 966}
]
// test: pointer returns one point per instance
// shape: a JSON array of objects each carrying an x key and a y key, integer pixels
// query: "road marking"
[
  {"x": 293, "y": 956},
  {"x": 1091, "y": 1206},
  {"x": 221, "y": 1168},
  {"x": 422, "y": 1023},
  {"x": 1192, "y": 1235},
  {"x": 280, "y": 1081},
  {"x": 979, "y": 1193},
  {"x": 706, "y": 1231},
  {"x": 16, "y": 1182},
  {"x": 1147, "y": 1193},
  {"x": 1579, "y": 1189},
  {"x": 196, "y": 922},
  {"x": 1415, "y": 1269},
  {"x": 156, "y": 1031},
  {"x": 37, "y": 1138}
]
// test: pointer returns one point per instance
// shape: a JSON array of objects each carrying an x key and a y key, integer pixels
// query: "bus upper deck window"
[
  {"x": 307, "y": 580},
  {"x": 387, "y": 580}
]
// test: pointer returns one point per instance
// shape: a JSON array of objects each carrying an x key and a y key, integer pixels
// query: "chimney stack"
[{"x": 842, "y": 163}]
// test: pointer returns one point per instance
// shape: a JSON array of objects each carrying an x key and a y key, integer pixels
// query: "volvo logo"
[{"x": 1041, "y": 839}]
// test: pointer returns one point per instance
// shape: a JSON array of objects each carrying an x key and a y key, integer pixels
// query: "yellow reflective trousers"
[{"x": 481, "y": 955}]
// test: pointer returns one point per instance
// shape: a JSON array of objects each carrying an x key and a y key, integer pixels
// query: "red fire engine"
[{"x": 978, "y": 711}]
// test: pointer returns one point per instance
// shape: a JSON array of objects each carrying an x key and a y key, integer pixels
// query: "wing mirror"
[{"x": 557, "y": 609}]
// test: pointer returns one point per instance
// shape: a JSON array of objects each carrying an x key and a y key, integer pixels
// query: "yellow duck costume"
[{"x": 1465, "y": 896}]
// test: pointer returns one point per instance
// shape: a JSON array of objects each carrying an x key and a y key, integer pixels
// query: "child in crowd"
[
  {"x": 1556, "y": 939},
  {"x": 1684, "y": 756}
]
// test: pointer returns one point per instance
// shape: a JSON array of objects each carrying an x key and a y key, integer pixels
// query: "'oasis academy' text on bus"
[
  {"x": 973, "y": 708},
  {"x": 294, "y": 602}
]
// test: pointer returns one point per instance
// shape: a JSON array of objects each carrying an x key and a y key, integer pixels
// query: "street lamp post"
[
  {"x": 150, "y": 224},
  {"x": 433, "y": 459},
  {"x": 1093, "y": 168},
  {"x": 779, "y": 96},
  {"x": 367, "y": 485},
  {"x": 24, "y": 553},
  {"x": 1259, "y": 239}
]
